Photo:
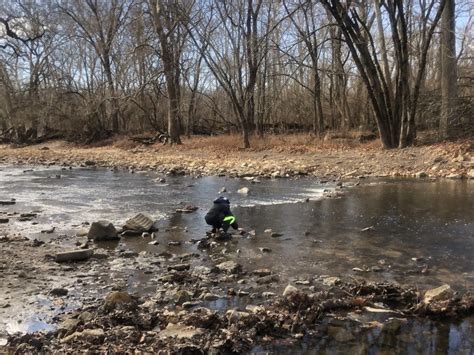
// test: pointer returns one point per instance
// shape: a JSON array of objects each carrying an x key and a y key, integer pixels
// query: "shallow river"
[{"x": 420, "y": 233}]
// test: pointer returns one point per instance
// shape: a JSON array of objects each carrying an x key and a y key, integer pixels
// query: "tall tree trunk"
[
  {"x": 245, "y": 135},
  {"x": 448, "y": 70},
  {"x": 383, "y": 49},
  {"x": 401, "y": 41},
  {"x": 192, "y": 101},
  {"x": 339, "y": 91},
  {"x": 166, "y": 29},
  {"x": 112, "y": 102},
  {"x": 191, "y": 113},
  {"x": 173, "y": 106},
  {"x": 5, "y": 94},
  {"x": 318, "y": 124},
  {"x": 252, "y": 47}
]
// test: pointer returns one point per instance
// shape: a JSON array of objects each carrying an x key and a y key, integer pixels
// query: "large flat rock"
[
  {"x": 179, "y": 331},
  {"x": 140, "y": 223},
  {"x": 438, "y": 294},
  {"x": 74, "y": 255}
]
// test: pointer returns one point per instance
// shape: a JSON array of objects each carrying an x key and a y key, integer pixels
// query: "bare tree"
[
  {"x": 30, "y": 45},
  {"x": 168, "y": 17},
  {"x": 99, "y": 24},
  {"x": 236, "y": 62},
  {"x": 395, "y": 117},
  {"x": 192, "y": 79},
  {"x": 89, "y": 68},
  {"x": 308, "y": 34},
  {"x": 448, "y": 69}
]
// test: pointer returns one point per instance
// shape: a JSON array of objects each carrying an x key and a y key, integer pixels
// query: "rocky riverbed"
[
  {"x": 196, "y": 307},
  {"x": 360, "y": 263}
]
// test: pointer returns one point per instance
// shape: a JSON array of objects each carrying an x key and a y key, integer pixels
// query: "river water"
[{"x": 416, "y": 232}]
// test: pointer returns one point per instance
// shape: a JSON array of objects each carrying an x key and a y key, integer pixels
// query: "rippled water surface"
[{"x": 431, "y": 221}]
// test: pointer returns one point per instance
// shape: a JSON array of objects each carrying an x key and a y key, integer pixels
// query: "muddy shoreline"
[{"x": 210, "y": 156}]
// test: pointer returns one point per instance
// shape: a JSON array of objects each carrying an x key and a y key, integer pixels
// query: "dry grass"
[
  {"x": 301, "y": 143},
  {"x": 125, "y": 143},
  {"x": 289, "y": 143}
]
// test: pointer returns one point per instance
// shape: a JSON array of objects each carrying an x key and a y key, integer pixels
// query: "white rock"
[
  {"x": 230, "y": 267},
  {"x": 254, "y": 309},
  {"x": 244, "y": 191},
  {"x": 331, "y": 281},
  {"x": 438, "y": 294},
  {"x": 290, "y": 290},
  {"x": 380, "y": 310},
  {"x": 234, "y": 316}
]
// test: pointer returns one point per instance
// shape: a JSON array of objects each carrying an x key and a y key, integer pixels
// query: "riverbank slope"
[{"x": 274, "y": 156}]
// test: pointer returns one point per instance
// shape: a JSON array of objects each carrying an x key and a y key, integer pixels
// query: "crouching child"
[{"x": 220, "y": 216}]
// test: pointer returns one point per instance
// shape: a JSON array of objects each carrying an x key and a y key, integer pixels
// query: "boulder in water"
[
  {"x": 140, "y": 223},
  {"x": 102, "y": 230}
]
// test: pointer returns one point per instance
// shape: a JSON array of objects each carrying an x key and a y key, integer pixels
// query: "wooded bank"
[{"x": 85, "y": 70}]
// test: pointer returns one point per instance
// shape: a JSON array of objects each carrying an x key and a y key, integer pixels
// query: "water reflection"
[{"x": 396, "y": 336}]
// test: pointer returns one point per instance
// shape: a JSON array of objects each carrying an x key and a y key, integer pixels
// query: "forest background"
[{"x": 88, "y": 70}]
